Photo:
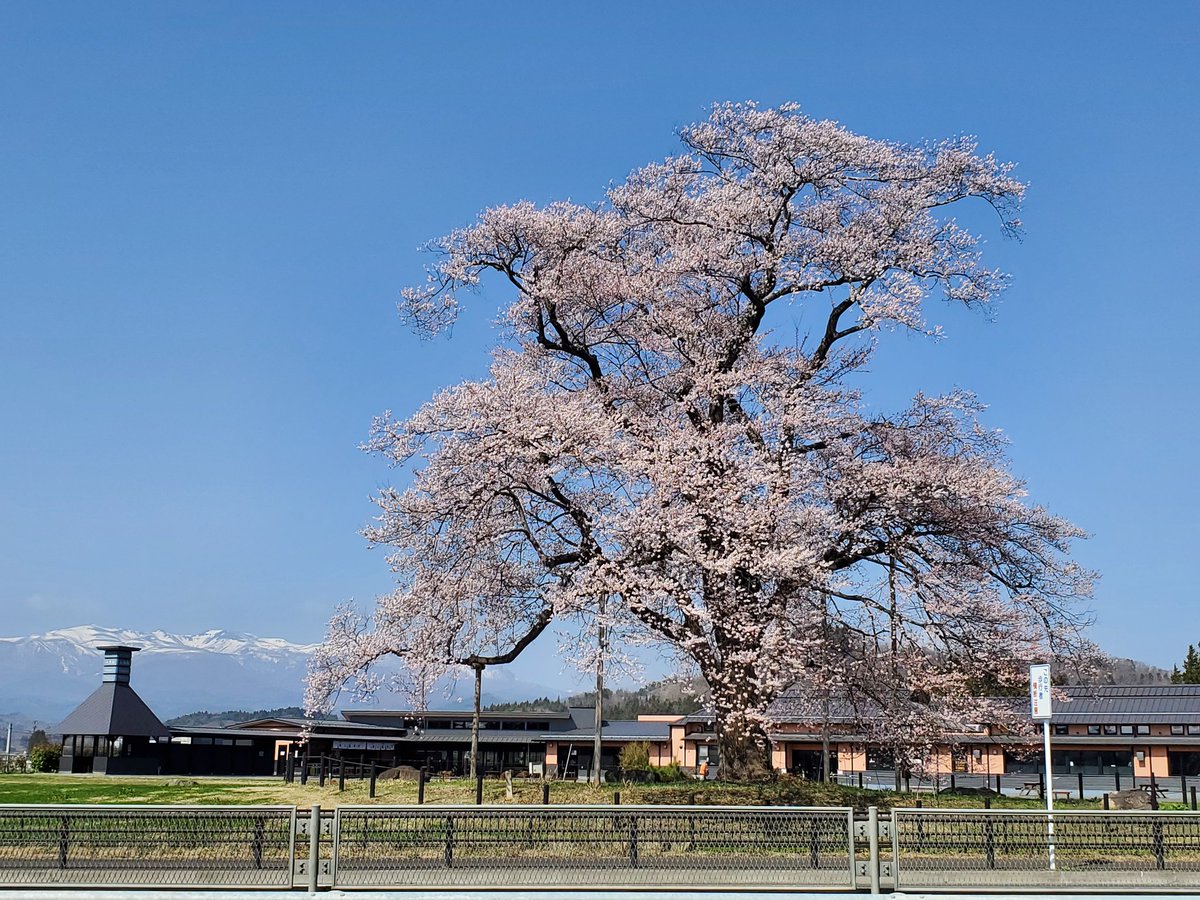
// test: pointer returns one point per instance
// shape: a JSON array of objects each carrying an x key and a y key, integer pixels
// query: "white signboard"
[
  {"x": 1039, "y": 691},
  {"x": 362, "y": 745}
]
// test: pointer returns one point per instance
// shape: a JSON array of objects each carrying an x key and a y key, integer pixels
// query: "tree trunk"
[
  {"x": 745, "y": 754},
  {"x": 475, "y": 769}
]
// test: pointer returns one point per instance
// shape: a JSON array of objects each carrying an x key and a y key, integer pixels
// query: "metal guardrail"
[
  {"x": 665, "y": 847},
  {"x": 1012, "y": 850},
  {"x": 673, "y": 848},
  {"x": 146, "y": 846}
]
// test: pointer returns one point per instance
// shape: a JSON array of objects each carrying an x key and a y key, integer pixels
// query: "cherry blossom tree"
[{"x": 652, "y": 436}]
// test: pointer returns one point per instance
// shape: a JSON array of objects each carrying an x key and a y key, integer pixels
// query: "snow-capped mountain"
[{"x": 48, "y": 674}]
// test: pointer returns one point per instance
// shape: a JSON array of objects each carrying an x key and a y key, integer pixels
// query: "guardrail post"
[
  {"x": 64, "y": 838},
  {"x": 314, "y": 846},
  {"x": 873, "y": 844}
]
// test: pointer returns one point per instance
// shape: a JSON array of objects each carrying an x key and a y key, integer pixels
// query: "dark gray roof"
[
  {"x": 628, "y": 730},
  {"x": 113, "y": 709},
  {"x": 318, "y": 726},
  {"x": 463, "y": 736},
  {"x": 1177, "y": 704}
]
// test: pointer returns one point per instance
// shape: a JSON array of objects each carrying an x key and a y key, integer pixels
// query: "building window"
[
  {"x": 1143, "y": 729},
  {"x": 1093, "y": 729},
  {"x": 1176, "y": 729},
  {"x": 1110, "y": 729},
  {"x": 1126, "y": 729},
  {"x": 1194, "y": 729},
  {"x": 1060, "y": 729}
]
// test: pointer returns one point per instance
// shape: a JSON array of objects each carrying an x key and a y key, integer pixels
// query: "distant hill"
[
  {"x": 233, "y": 716},
  {"x": 1132, "y": 672},
  {"x": 667, "y": 697}
]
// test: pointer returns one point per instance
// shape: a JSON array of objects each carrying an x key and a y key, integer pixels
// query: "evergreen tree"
[{"x": 1190, "y": 674}]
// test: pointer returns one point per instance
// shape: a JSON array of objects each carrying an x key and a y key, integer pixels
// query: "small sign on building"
[{"x": 362, "y": 745}]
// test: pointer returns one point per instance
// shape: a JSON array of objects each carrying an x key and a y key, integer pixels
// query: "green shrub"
[
  {"x": 669, "y": 773},
  {"x": 44, "y": 759},
  {"x": 635, "y": 757}
]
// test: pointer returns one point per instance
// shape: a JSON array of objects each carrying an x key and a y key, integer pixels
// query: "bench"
[{"x": 1062, "y": 793}]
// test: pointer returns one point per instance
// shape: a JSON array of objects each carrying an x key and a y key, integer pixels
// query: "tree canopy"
[{"x": 673, "y": 424}]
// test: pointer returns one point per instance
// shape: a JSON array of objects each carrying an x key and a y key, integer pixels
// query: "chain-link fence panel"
[
  {"x": 1018, "y": 849},
  {"x": 684, "y": 847},
  {"x": 146, "y": 846}
]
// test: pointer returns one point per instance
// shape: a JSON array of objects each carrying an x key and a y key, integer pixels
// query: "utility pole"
[{"x": 597, "y": 747}]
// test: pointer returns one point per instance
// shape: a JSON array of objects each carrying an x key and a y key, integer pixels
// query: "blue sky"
[{"x": 207, "y": 211}]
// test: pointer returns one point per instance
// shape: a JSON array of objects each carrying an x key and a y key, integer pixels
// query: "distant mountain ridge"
[{"x": 46, "y": 675}]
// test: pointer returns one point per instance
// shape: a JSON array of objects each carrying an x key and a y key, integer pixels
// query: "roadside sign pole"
[{"x": 1039, "y": 695}]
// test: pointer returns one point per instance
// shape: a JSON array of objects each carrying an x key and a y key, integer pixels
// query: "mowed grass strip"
[{"x": 784, "y": 791}]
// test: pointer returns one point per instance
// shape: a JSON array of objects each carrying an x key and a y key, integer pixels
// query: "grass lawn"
[{"x": 184, "y": 790}]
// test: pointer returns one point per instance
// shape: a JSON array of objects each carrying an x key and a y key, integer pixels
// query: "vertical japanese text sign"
[{"x": 1039, "y": 691}]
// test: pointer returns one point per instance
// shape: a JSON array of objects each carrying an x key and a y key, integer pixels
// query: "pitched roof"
[
  {"x": 114, "y": 709},
  {"x": 619, "y": 730}
]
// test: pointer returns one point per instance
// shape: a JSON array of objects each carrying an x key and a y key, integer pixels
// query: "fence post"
[
  {"x": 1042, "y": 785},
  {"x": 1182, "y": 787},
  {"x": 873, "y": 844},
  {"x": 304, "y": 768},
  {"x": 545, "y": 793},
  {"x": 479, "y": 789},
  {"x": 64, "y": 837},
  {"x": 321, "y": 773},
  {"x": 989, "y": 839},
  {"x": 1106, "y": 801},
  {"x": 1116, "y": 780},
  {"x": 692, "y": 821},
  {"x": 860, "y": 780},
  {"x": 953, "y": 786},
  {"x": 1081, "y": 785},
  {"x": 999, "y": 789},
  {"x": 256, "y": 846},
  {"x": 616, "y": 798},
  {"x": 341, "y": 776},
  {"x": 421, "y": 776},
  {"x": 314, "y": 846},
  {"x": 374, "y": 772},
  {"x": 1193, "y": 798}
]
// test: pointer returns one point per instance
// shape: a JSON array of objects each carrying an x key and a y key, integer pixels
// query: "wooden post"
[
  {"x": 545, "y": 793},
  {"x": 374, "y": 772},
  {"x": 1081, "y": 785},
  {"x": 1106, "y": 801},
  {"x": 478, "y": 788},
  {"x": 421, "y": 776},
  {"x": 616, "y": 798},
  {"x": 341, "y": 776}
]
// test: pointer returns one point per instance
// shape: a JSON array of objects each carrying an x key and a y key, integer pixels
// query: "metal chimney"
[{"x": 117, "y": 660}]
